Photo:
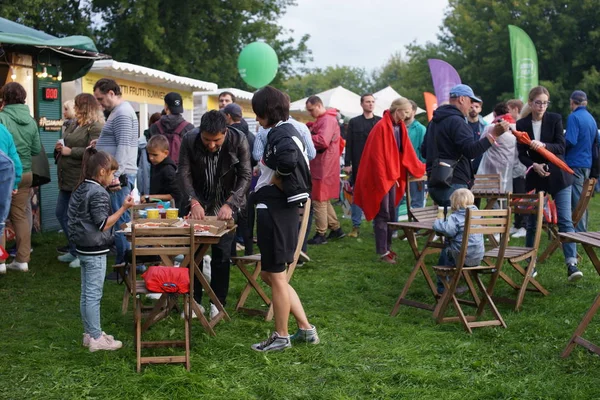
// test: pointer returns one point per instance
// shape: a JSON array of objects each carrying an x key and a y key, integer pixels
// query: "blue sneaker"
[
  {"x": 66, "y": 258},
  {"x": 573, "y": 273},
  {"x": 306, "y": 335}
]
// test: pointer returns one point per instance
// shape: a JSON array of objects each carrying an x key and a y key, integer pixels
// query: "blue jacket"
[
  {"x": 7, "y": 145},
  {"x": 453, "y": 228},
  {"x": 580, "y": 135}
]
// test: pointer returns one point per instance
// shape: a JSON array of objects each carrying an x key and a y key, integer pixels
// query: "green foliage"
[
  {"x": 199, "y": 39},
  {"x": 317, "y": 80},
  {"x": 55, "y": 17}
]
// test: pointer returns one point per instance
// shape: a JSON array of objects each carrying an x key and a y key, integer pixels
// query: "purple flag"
[{"x": 444, "y": 78}]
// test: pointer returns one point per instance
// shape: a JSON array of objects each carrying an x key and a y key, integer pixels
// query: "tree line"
[{"x": 203, "y": 39}]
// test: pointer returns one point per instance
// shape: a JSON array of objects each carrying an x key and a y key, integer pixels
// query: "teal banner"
[{"x": 524, "y": 62}]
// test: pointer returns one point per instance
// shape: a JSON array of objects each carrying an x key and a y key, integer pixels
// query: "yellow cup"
[
  {"x": 440, "y": 213},
  {"x": 172, "y": 213},
  {"x": 153, "y": 213}
]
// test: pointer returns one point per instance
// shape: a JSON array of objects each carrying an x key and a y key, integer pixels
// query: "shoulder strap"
[{"x": 181, "y": 127}]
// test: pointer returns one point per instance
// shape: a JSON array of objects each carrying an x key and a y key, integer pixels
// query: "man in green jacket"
[
  {"x": 16, "y": 117},
  {"x": 416, "y": 134}
]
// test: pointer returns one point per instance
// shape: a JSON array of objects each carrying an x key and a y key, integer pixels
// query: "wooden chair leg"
[
  {"x": 186, "y": 300},
  {"x": 576, "y": 338},
  {"x": 138, "y": 334},
  {"x": 487, "y": 300}
]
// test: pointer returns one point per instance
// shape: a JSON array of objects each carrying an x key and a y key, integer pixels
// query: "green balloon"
[{"x": 258, "y": 64}]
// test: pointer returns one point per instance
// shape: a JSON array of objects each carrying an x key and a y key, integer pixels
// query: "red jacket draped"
[{"x": 383, "y": 166}]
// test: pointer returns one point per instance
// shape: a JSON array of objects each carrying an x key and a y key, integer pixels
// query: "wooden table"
[
  {"x": 202, "y": 243},
  {"x": 589, "y": 241},
  {"x": 410, "y": 231}
]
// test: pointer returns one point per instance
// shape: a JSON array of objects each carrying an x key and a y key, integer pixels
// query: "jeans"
[
  {"x": 565, "y": 224},
  {"x": 417, "y": 194},
  {"x": 519, "y": 186},
  {"x": 93, "y": 272},
  {"x": 116, "y": 201},
  {"x": 62, "y": 206},
  {"x": 356, "y": 215},
  {"x": 220, "y": 267},
  {"x": 7, "y": 181},
  {"x": 581, "y": 174}
]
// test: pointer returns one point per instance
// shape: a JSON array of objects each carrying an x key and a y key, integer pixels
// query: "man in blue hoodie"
[{"x": 580, "y": 135}]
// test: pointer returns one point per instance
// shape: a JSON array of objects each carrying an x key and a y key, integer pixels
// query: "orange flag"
[{"x": 430, "y": 104}]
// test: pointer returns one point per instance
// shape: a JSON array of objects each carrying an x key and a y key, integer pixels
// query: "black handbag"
[{"x": 442, "y": 171}]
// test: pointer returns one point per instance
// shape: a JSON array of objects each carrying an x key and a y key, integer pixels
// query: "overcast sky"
[{"x": 363, "y": 33}]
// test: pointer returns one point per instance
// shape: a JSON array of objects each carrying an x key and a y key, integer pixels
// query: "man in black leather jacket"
[{"x": 214, "y": 173}]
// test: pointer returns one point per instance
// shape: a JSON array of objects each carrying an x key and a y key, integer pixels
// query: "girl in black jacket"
[
  {"x": 284, "y": 185},
  {"x": 546, "y": 130}
]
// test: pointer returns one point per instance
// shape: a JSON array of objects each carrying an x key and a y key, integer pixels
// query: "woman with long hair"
[
  {"x": 69, "y": 154},
  {"x": 546, "y": 131}
]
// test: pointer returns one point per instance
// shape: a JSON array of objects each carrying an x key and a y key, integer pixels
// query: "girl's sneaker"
[
  {"x": 306, "y": 335},
  {"x": 104, "y": 342},
  {"x": 17, "y": 266},
  {"x": 87, "y": 337},
  {"x": 273, "y": 343}
]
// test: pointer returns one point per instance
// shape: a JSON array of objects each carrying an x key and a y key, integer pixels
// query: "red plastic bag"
[
  {"x": 550, "y": 213},
  {"x": 161, "y": 279}
]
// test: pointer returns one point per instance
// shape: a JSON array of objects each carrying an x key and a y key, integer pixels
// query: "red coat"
[
  {"x": 325, "y": 168},
  {"x": 382, "y": 166}
]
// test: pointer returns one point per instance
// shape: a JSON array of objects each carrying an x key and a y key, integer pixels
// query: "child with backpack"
[{"x": 91, "y": 229}]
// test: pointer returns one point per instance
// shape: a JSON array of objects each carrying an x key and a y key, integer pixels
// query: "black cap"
[
  {"x": 174, "y": 102},
  {"x": 233, "y": 110}
]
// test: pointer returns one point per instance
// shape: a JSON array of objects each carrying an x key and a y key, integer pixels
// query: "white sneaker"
[
  {"x": 75, "y": 263},
  {"x": 87, "y": 337},
  {"x": 522, "y": 232},
  {"x": 497, "y": 237},
  {"x": 193, "y": 312},
  {"x": 2, "y": 268},
  {"x": 153, "y": 296},
  {"x": 17, "y": 266},
  {"x": 513, "y": 230},
  {"x": 104, "y": 342},
  {"x": 213, "y": 311}
]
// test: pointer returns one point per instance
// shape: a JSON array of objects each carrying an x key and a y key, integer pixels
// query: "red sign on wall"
[{"x": 50, "y": 93}]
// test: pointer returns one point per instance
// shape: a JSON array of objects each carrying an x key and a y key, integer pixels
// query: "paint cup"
[
  {"x": 440, "y": 213},
  {"x": 153, "y": 213},
  {"x": 172, "y": 213},
  {"x": 142, "y": 214}
]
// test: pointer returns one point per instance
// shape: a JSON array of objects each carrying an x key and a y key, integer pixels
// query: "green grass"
[{"x": 348, "y": 295}]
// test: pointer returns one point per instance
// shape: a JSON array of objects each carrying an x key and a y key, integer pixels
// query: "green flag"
[{"x": 524, "y": 62}]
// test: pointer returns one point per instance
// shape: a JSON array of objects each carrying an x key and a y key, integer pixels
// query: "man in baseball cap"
[
  {"x": 464, "y": 90},
  {"x": 174, "y": 103},
  {"x": 580, "y": 136}
]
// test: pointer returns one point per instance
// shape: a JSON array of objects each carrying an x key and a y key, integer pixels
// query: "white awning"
[
  {"x": 340, "y": 98},
  {"x": 238, "y": 93},
  {"x": 137, "y": 73},
  {"x": 384, "y": 98}
]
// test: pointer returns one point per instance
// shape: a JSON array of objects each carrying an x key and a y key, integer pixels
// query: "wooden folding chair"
[
  {"x": 252, "y": 278},
  {"x": 586, "y": 195},
  {"x": 166, "y": 243},
  {"x": 486, "y": 183},
  {"x": 524, "y": 204},
  {"x": 483, "y": 222}
]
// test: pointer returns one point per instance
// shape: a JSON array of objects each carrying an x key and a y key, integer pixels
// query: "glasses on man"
[{"x": 542, "y": 103}]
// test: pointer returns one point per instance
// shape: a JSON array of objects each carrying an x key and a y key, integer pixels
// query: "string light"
[
  {"x": 59, "y": 77},
  {"x": 45, "y": 72},
  {"x": 13, "y": 73}
]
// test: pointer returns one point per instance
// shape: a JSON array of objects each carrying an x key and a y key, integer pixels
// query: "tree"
[
  {"x": 566, "y": 34},
  {"x": 55, "y": 17},
  {"x": 318, "y": 80},
  {"x": 196, "y": 39}
]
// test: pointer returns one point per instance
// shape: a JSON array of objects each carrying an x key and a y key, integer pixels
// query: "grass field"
[{"x": 348, "y": 295}]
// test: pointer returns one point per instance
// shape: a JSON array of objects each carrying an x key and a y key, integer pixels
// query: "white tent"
[
  {"x": 384, "y": 98},
  {"x": 489, "y": 118},
  {"x": 347, "y": 102}
]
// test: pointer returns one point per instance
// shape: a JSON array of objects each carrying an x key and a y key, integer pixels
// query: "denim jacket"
[{"x": 453, "y": 229}]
